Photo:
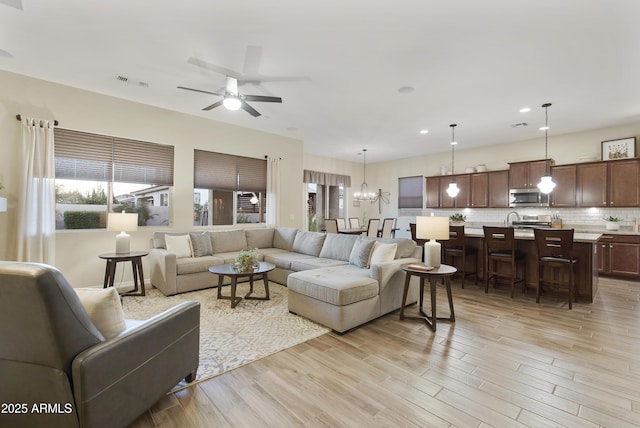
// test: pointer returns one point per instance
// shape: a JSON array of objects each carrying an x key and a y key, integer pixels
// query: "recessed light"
[
  {"x": 544, "y": 128},
  {"x": 424, "y": 131},
  {"x": 525, "y": 110},
  {"x": 406, "y": 89}
]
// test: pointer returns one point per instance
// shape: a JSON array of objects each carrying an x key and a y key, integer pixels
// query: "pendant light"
[
  {"x": 546, "y": 184},
  {"x": 453, "y": 189},
  {"x": 364, "y": 194}
]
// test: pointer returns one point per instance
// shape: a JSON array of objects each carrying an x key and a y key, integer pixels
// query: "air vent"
[
  {"x": 128, "y": 81},
  {"x": 518, "y": 125}
]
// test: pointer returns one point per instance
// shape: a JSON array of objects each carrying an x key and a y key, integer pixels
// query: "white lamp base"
[
  {"x": 432, "y": 254},
  {"x": 123, "y": 243}
]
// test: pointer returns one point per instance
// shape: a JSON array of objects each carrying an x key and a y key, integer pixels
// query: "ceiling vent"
[
  {"x": 128, "y": 81},
  {"x": 518, "y": 125}
]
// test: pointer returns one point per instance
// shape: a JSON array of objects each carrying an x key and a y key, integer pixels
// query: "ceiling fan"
[{"x": 233, "y": 100}]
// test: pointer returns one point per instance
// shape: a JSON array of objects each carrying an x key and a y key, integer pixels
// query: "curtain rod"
[
  {"x": 267, "y": 157},
  {"x": 55, "y": 122}
]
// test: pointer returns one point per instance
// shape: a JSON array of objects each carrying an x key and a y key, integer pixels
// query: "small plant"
[
  {"x": 612, "y": 219},
  {"x": 245, "y": 259},
  {"x": 457, "y": 217}
]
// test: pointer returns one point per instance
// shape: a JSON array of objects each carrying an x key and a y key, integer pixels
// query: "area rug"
[{"x": 230, "y": 338}]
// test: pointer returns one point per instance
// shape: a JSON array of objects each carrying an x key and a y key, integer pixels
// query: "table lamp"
[
  {"x": 3, "y": 204},
  {"x": 123, "y": 222},
  {"x": 432, "y": 228}
]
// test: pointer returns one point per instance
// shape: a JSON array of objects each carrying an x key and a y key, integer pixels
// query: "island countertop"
[{"x": 528, "y": 234}]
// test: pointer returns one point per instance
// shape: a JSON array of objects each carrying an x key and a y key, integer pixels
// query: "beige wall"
[{"x": 76, "y": 251}]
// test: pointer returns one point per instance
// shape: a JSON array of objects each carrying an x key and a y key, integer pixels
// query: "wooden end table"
[
  {"x": 228, "y": 269},
  {"x": 441, "y": 272},
  {"x": 135, "y": 257}
]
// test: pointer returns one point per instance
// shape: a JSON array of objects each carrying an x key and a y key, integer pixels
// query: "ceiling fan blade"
[
  {"x": 256, "y": 80},
  {"x": 212, "y": 106},
  {"x": 232, "y": 85},
  {"x": 215, "y": 68},
  {"x": 246, "y": 107},
  {"x": 200, "y": 90},
  {"x": 262, "y": 98}
]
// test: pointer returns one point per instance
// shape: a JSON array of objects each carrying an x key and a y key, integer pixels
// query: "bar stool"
[
  {"x": 500, "y": 249},
  {"x": 456, "y": 249},
  {"x": 554, "y": 249}
]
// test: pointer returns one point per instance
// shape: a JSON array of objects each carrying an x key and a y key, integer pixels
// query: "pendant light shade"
[
  {"x": 546, "y": 184},
  {"x": 453, "y": 189},
  {"x": 364, "y": 194}
]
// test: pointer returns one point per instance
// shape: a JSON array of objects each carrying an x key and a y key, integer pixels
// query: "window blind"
[
  {"x": 326, "y": 178},
  {"x": 86, "y": 156},
  {"x": 410, "y": 192},
  {"x": 221, "y": 171}
]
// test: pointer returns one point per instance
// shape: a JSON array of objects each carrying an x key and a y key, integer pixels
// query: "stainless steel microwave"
[{"x": 529, "y": 197}]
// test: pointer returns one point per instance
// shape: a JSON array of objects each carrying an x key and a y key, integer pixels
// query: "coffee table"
[{"x": 228, "y": 269}]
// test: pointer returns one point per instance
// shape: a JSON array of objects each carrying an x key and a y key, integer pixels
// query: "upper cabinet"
[
  {"x": 564, "y": 194},
  {"x": 609, "y": 183},
  {"x": 479, "y": 190},
  {"x": 525, "y": 175},
  {"x": 499, "y": 189},
  {"x": 462, "y": 200}
]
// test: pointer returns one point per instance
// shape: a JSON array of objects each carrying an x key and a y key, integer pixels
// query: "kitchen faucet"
[{"x": 509, "y": 215}]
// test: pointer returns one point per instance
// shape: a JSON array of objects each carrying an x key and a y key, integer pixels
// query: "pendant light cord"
[
  {"x": 453, "y": 139},
  {"x": 546, "y": 135}
]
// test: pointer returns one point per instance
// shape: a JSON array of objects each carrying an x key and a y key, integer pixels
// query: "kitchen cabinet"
[
  {"x": 619, "y": 255},
  {"x": 564, "y": 194},
  {"x": 433, "y": 192},
  {"x": 526, "y": 175},
  {"x": 480, "y": 190},
  {"x": 499, "y": 189},
  {"x": 462, "y": 200},
  {"x": 609, "y": 183}
]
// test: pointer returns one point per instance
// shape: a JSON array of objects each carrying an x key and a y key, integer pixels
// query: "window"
[
  {"x": 410, "y": 192},
  {"x": 228, "y": 189},
  {"x": 97, "y": 174},
  {"x": 325, "y": 197}
]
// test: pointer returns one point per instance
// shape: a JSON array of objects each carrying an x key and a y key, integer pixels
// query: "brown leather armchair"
[{"x": 56, "y": 368}]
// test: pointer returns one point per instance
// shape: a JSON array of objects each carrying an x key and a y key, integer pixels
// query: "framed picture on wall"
[{"x": 619, "y": 149}]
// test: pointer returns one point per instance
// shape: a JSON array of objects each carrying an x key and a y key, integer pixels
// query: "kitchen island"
[{"x": 584, "y": 248}]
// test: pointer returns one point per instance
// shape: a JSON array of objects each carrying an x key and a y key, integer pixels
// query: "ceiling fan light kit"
[{"x": 232, "y": 102}]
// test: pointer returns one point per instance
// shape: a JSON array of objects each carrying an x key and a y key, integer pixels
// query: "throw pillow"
[
  {"x": 201, "y": 244},
  {"x": 383, "y": 253},
  {"x": 361, "y": 252},
  {"x": 179, "y": 244},
  {"x": 104, "y": 309}
]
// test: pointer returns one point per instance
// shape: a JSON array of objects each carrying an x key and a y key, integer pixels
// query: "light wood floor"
[{"x": 503, "y": 363}]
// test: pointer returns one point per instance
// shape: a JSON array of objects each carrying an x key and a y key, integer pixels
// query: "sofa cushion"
[
  {"x": 230, "y": 257},
  {"x": 259, "y": 238},
  {"x": 382, "y": 253},
  {"x": 283, "y": 237},
  {"x": 104, "y": 309},
  {"x": 201, "y": 244},
  {"x": 314, "y": 263},
  {"x": 309, "y": 243},
  {"x": 284, "y": 260},
  {"x": 341, "y": 285},
  {"x": 196, "y": 264},
  {"x": 361, "y": 252},
  {"x": 180, "y": 245},
  {"x": 405, "y": 246},
  {"x": 226, "y": 241},
  {"x": 338, "y": 246}
]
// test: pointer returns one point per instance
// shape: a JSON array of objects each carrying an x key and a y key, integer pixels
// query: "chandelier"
[{"x": 364, "y": 194}]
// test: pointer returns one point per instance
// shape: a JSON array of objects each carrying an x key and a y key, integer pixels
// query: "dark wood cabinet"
[
  {"x": 564, "y": 194},
  {"x": 437, "y": 196},
  {"x": 433, "y": 192},
  {"x": 525, "y": 175},
  {"x": 499, "y": 189},
  {"x": 480, "y": 190},
  {"x": 619, "y": 255},
  {"x": 609, "y": 184}
]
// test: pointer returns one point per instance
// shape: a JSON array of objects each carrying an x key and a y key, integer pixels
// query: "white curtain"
[
  {"x": 273, "y": 190},
  {"x": 36, "y": 205}
]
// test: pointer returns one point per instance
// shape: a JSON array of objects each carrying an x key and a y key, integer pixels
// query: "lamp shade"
[
  {"x": 3, "y": 204},
  {"x": 546, "y": 184},
  {"x": 432, "y": 228},
  {"x": 453, "y": 190}
]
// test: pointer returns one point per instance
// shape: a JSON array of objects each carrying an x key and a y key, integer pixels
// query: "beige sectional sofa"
[{"x": 340, "y": 281}]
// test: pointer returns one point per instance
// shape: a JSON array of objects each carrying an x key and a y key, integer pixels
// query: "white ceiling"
[{"x": 471, "y": 62}]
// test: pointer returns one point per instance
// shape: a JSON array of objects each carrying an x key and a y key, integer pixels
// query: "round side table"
[{"x": 135, "y": 257}]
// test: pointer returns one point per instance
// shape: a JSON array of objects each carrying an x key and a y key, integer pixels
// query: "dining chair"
[
  {"x": 331, "y": 225},
  {"x": 372, "y": 229},
  {"x": 500, "y": 249},
  {"x": 455, "y": 249},
  {"x": 554, "y": 249},
  {"x": 354, "y": 222},
  {"x": 342, "y": 224},
  {"x": 387, "y": 227}
]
